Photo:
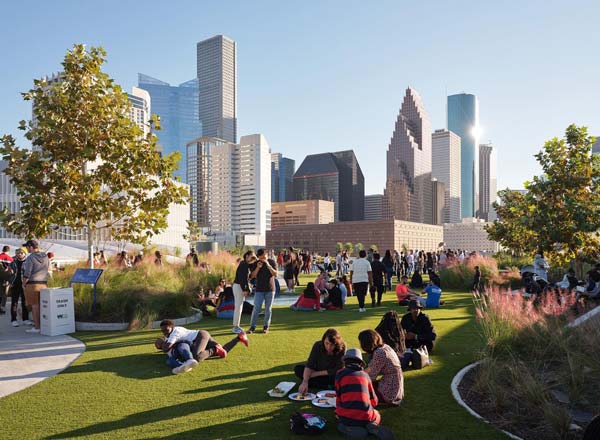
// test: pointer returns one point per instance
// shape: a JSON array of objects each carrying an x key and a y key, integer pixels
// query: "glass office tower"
[
  {"x": 463, "y": 119},
  {"x": 177, "y": 107}
]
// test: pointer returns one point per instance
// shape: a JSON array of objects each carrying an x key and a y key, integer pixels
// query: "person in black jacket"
[
  {"x": 416, "y": 282},
  {"x": 241, "y": 288},
  {"x": 418, "y": 327},
  {"x": 379, "y": 271},
  {"x": 16, "y": 289},
  {"x": 334, "y": 299}
]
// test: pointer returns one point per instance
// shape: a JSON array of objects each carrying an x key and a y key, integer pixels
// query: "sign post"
[{"x": 87, "y": 276}]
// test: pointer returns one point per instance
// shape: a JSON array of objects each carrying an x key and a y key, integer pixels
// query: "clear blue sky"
[{"x": 329, "y": 75}]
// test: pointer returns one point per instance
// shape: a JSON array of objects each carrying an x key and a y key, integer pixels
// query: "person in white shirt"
[
  {"x": 362, "y": 278},
  {"x": 194, "y": 346}
]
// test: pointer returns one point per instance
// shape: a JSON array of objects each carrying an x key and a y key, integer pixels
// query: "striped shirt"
[{"x": 356, "y": 398}]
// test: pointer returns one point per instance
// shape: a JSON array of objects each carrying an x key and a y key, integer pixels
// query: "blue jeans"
[
  {"x": 259, "y": 298},
  {"x": 179, "y": 354}
]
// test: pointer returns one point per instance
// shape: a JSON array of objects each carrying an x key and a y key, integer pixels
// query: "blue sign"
[{"x": 86, "y": 276}]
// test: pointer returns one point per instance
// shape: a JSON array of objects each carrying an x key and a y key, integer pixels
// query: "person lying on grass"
[
  {"x": 323, "y": 362},
  {"x": 198, "y": 345},
  {"x": 356, "y": 400}
]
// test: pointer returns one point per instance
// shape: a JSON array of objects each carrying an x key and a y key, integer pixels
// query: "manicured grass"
[{"x": 121, "y": 388}]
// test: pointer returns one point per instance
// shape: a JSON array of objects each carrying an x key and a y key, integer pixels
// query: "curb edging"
[
  {"x": 456, "y": 394},
  {"x": 81, "y": 326}
]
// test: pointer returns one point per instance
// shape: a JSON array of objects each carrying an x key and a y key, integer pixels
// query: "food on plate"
[
  {"x": 329, "y": 394},
  {"x": 278, "y": 390}
]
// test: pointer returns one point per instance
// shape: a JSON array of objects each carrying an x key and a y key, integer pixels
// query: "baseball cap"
[{"x": 33, "y": 243}]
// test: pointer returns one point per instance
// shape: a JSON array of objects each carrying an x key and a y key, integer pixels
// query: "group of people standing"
[{"x": 23, "y": 276}]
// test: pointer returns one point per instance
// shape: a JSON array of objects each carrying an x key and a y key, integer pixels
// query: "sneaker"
[
  {"x": 362, "y": 310},
  {"x": 188, "y": 365},
  {"x": 237, "y": 330},
  {"x": 243, "y": 338},
  {"x": 28, "y": 322},
  {"x": 15, "y": 323},
  {"x": 265, "y": 329},
  {"x": 251, "y": 330},
  {"x": 220, "y": 351},
  {"x": 32, "y": 330}
]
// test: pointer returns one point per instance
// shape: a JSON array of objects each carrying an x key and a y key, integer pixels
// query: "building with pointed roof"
[{"x": 408, "y": 194}]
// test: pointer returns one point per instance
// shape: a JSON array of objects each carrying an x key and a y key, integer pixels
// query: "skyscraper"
[
  {"x": 336, "y": 177},
  {"x": 408, "y": 185},
  {"x": 487, "y": 182},
  {"x": 140, "y": 108},
  {"x": 596, "y": 146},
  {"x": 217, "y": 85},
  {"x": 438, "y": 201},
  {"x": 445, "y": 163},
  {"x": 463, "y": 119},
  {"x": 282, "y": 178},
  {"x": 177, "y": 107},
  {"x": 198, "y": 173},
  {"x": 374, "y": 207}
]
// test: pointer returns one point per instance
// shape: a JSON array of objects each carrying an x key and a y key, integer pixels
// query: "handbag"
[{"x": 420, "y": 358}]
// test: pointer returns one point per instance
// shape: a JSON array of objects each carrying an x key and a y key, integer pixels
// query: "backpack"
[{"x": 307, "y": 424}]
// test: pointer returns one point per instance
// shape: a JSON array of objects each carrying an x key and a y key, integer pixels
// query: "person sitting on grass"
[
  {"x": 384, "y": 362},
  {"x": 343, "y": 289},
  {"x": 321, "y": 281},
  {"x": 309, "y": 300},
  {"x": 324, "y": 361},
  {"x": 199, "y": 345},
  {"x": 403, "y": 293},
  {"x": 435, "y": 279},
  {"x": 416, "y": 282},
  {"x": 390, "y": 330},
  {"x": 418, "y": 327},
  {"x": 334, "y": 300},
  {"x": 434, "y": 295},
  {"x": 356, "y": 400}
]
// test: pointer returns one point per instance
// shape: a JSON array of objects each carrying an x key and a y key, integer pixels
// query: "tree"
[
  {"x": 91, "y": 166},
  {"x": 194, "y": 232},
  {"x": 348, "y": 247},
  {"x": 358, "y": 247},
  {"x": 339, "y": 246},
  {"x": 560, "y": 213},
  {"x": 374, "y": 247}
]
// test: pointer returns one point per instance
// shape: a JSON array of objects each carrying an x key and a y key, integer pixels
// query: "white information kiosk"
[{"x": 57, "y": 311}]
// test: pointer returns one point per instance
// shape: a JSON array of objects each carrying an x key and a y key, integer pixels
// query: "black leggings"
[
  {"x": 16, "y": 293},
  {"x": 204, "y": 346}
]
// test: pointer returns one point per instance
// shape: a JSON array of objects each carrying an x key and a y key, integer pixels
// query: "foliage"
[
  {"x": 506, "y": 260},
  {"x": 529, "y": 355},
  {"x": 194, "y": 232},
  {"x": 358, "y": 247},
  {"x": 339, "y": 246},
  {"x": 148, "y": 292},
  {"x": 349, "y": 247},
  {"x": 459, "y": 275},
  {"x": 374, "y": 247},
  {"x": 560, "y": 213},
  {"x": 91, "y": 166}
]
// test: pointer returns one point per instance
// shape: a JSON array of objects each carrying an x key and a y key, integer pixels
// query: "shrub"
[
  {"x": 459, "y": 275},
  {"x": 148, "y": 292}
]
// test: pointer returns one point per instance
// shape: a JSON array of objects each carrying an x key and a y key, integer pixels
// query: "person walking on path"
[
  {"x": 16, "y": 289},
  {"x": 362, "y": 278},
  {"x": 241, "y": 288},
  {"x": 263, "y": 272},
  {"x": 35, "y": 278}
]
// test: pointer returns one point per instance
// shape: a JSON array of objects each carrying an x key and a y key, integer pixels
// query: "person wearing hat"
[
  {"x": 355, "y": 397},
  {"x": 35, "y": 278},
  {"x": 418, "y": 327}
]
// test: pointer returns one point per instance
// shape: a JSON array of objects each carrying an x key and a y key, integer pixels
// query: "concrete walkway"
[{"x": 26, "y": 359}]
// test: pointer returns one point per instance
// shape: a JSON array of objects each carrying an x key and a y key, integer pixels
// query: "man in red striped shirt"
[{"x": 356, "y": 399}]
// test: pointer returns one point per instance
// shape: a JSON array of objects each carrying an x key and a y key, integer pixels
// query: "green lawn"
[{"x": 121, "y": 388}]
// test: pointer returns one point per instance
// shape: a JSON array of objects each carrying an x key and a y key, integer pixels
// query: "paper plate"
[
  {"x": 326, "y": 394},
  {"x": 307, "y": 397},
  {"x": 324, "y": 402},
  {"x": 281, "y": 389}
]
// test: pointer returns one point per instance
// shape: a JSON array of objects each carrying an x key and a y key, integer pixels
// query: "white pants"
[{"x": 238, "y": 295}]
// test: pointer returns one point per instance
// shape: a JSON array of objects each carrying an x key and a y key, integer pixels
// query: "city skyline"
[{"x": 307, "y": 109}]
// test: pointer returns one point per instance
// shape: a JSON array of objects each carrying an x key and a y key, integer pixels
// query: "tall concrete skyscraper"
[
  {"x": 177, "y": 107},
  {"x": 463, "y": 119},
  {"x": 445, "y": 158},
  {"x": 408, "y": 187},
  {"x": 596, "y": 146},
  {"x": 217, "y": 85},
  {"x": 488, "y": 182}
]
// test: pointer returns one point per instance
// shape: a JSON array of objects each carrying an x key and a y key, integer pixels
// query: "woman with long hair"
[
  {"x": 309, "y": 300},
  {"x": 384, "y": 362},
  {"x": 324, "y": 361},
  {"x": 241, "y": 287}
]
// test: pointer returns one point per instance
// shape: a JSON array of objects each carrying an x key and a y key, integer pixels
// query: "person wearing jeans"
[
  {"x": 16, "y": 289},
  {"x": 241, "y": 287},
  {"x": 35, "y": 278},
  {"x": 263, "y": 273}
]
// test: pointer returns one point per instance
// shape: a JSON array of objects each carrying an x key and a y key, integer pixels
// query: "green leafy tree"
[
  {"x": 339, "y": 246},
  {"x": 348, "y": 247},
  {"x": 358, "y": 247},
  {"x": 90, "y": 167},
  {"x": 374, "y": 247},
  {"x": 560, "y": 214},
  {"x": 194, "y": 233}
]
